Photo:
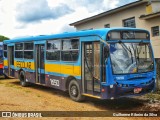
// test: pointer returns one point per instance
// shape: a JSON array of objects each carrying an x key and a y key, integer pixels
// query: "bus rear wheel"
[
  {"x": 22, "y": 78},
  {"x": 74, "y": 91}
]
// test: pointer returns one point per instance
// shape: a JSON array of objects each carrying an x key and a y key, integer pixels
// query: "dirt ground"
[{"x": 13, "y": 97}]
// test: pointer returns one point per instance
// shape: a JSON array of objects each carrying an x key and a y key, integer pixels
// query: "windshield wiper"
[
  {"x": 127, "y": 49},
  {"x": 137, "y": 57},
  {"x": 138, "y": 52}
]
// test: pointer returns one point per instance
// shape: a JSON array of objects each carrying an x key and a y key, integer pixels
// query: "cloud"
[
  {"x": 91, "y": 5},
  {"x": 103, "y": 5},
  {"x": 67, "y": 28},
  {"x": 97, "y": 5},
  {"x": 32, "y": 11},
  {"x": 123, "y": 2},
  {"x": 51, "y": 16}
]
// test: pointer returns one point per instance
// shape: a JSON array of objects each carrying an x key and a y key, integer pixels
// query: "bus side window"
[
  {"x": 28, "y": 50},
  {"x": 53, "y": 50},
  {"x": 19, "y": 50},
  {"x": 70, "y": 50},
  {"x": 5, "y": 51}
]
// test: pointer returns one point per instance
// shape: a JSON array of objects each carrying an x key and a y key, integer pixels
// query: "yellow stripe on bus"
[
  {"x": 63, "y": 69},
  {"x": 24, "y": 64},
  {"x": 93, "y": 96},
  {"x": 5, "y": 62},
  {"x": 56, "y": 68}
]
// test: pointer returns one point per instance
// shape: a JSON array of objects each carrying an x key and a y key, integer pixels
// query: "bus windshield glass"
[{"x": 129, "y": 58}]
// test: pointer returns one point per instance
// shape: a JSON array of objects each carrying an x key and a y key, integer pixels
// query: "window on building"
[
  {"x": 130, "y": 22},
  {"x": 107, "y": 26},
  {"x": 155, "y": 31}
]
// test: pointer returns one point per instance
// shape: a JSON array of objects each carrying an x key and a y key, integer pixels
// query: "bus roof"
[{"x": 98, "y": 32}]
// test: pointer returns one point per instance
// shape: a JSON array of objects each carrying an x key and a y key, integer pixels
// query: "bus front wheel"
[
  {"x": 22, "y": 78},
  {"x": 74, "y": 91}
]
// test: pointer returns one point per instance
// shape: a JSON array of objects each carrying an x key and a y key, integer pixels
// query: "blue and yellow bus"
[
  {"x": 1, "y": 58},
  {"x": 104, "y": 63}
]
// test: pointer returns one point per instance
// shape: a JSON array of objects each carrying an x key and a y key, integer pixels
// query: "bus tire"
[
  {"x": 74, "y": 91},
  {"x": 22, "y": 78}
]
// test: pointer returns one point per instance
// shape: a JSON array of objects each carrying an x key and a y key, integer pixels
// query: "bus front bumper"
[{"x": 115, "y": 91}]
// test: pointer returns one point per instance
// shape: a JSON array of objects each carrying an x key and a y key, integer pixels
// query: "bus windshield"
[{"x": 131, "y": 57}]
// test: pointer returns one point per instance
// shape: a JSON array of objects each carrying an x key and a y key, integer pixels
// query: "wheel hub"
[{"x": 74, "y": 91}]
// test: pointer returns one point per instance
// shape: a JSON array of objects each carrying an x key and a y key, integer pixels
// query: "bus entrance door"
[
  {"x": 11, "y": 61},
  {"x": 91, "y": 68},
  {"x": 40, "y": 64}
]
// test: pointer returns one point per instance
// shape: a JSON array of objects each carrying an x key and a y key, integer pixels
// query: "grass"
[
  {"x": 38, "y": 96},
  {"x": 12, "y": 85},
  {"x": 9, "y": 85},
  {"x": 154, "y": 96},
  {"x": 27, "y": 91}
]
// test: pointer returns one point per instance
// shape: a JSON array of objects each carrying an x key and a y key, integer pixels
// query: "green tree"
[{"x": 3, "y": 38}]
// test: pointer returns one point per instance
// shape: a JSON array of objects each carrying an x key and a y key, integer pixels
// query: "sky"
[{"x": 43, "y": 17}]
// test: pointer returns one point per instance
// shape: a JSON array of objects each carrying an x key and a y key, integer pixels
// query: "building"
[{"x": 140, "y": 14}]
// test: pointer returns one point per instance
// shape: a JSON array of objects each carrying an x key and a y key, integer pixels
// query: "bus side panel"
[
  {"x": 5, "y": 62},
  {"x": 30, "y": 77},
  {"x": 53, "y": 75},
  {"x": 1, "y": 58},
  {"x": 27, "y": 66},
  {"x": 59, "y": 82},
  {"x": 16, "y": 74},
  {"x": 30, "y": 71},
  {"x": 12, "y": 71},
  {"x": 57, "y": 74},
  {"x": 64, "y": 84},
  {"x": 1, "y": 69},
  {"x": 53, "y": 81}
]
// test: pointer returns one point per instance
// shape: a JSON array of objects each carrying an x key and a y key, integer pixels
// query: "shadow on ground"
[{"x": 117, "y": 104}]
